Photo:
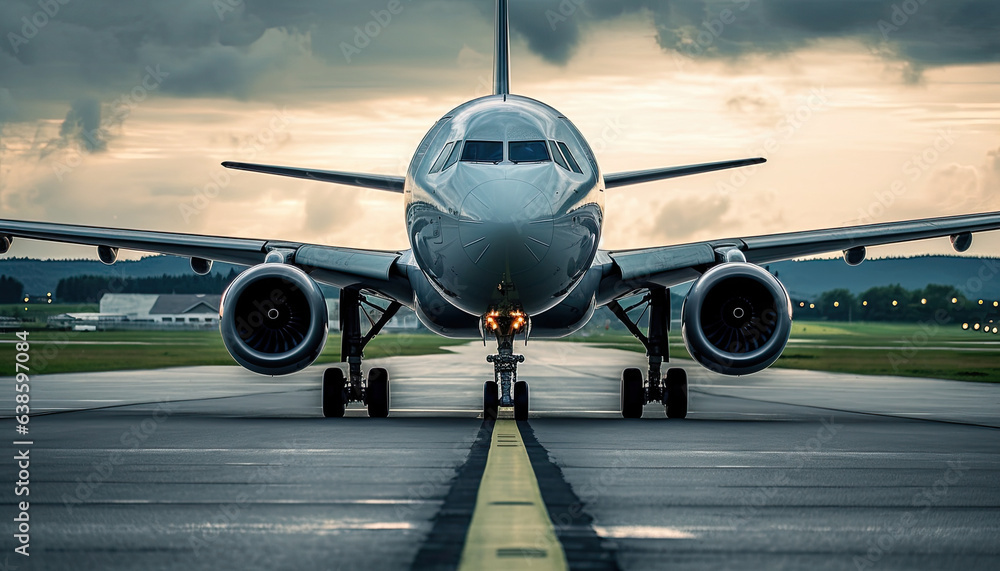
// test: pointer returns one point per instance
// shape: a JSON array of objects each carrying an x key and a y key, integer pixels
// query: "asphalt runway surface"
[{"x": 217, "y": 468}]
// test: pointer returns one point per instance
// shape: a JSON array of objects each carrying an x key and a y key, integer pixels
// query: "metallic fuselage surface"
[{"x": 501, "y": 233}]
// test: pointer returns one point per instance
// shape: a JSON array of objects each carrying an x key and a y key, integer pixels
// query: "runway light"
[
  {"x": 965, "y": 326},
  {"x": 996, "y": 303},
  {"x": 802, "y": 304},
  {"x": 954, "y": 300},
  {"x": 895, "y": 303},
  {"x": 50, "y": 301},
  {"x": 864, "y": 303},
  {"x": 976, "y": 327},
  {"x": 836, "y": 304},
  {"x": 923, "y": 301},
  {"x": 25, "y": 300},
  {"x": 980, "y": 302},
  {"x": 812, "y": 306},
  {"x": 49, "y": 294},
  {"x": 994, "y": 330}
]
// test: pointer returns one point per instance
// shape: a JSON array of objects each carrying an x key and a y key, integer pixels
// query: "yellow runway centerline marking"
[{"x": 510, "y": 526}]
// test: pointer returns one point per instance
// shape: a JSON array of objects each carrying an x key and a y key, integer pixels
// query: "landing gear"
[
  {"x": 377, "y": 395},
  {"x": 520, "y": 400},
  {"x": 672, "y": 391},
  {"x": 491, "y": 400},
  {"x": 675, "y": 400},
  {"x": 505, "y": 325},
  {"x": 334, "y": 397},
  {"x": 374, "y": 393}
]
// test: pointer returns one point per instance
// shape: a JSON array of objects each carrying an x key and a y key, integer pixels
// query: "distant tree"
[
  {"x": 11, "y": 290},
  {"x": 90, "y": 289}
]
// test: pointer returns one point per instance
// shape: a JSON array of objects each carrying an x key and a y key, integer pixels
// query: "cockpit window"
[
  {"x": 453, "y": 157},
  {"x": 528, "y": 152},
  {"x": 575, "y": 166},
  {"x": 557, "y": 155},
  {"x": 442, "y": 158},
  {"x": 483, "y": 152}
]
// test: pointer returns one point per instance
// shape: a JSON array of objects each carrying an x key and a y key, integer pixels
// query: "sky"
[{"x": 118, "y": 113}]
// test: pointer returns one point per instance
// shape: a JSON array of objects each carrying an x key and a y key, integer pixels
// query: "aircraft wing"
[
  {"x": 340, "y": 267},
  {"x": 629, "y": 270}
]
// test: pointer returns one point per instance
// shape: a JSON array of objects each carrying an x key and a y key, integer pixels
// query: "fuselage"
[{"x": 504, "y": 206}]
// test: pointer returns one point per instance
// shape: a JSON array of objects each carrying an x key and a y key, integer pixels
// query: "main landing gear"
[
  {"x": 339, "y": 390},
  {"x": 505, "y": 325},
  {"x": 672, "y": 391}
]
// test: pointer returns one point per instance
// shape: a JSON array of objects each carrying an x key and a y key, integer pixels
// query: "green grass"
[
  {"x": 50, "y": 351},
  {"x": 37, "y": 313},
  {"x": 908, "y": 350}
]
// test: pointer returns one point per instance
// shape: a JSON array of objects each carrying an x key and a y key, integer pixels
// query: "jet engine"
[
  {"x": 273, "y": 319},
  {"x": 736, "y": 319}
]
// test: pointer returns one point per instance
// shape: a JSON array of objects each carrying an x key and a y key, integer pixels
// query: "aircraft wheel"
[
  {"x": 675, "y": 401},
  {"x": 378, "y": 393},
  {"x": 333, "y": 393},
  {"x": 631, "y": 393},
  {"x": 491, "y": 400},
  {"x": 520, "y": 400}
]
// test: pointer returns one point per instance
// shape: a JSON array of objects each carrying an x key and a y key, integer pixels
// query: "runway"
[{"x": 216, "y": 468}]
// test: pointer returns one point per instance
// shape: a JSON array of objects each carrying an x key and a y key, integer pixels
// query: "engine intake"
[
  {"x": 273, "y": 319},
  {"x": 736, "y": 319}
]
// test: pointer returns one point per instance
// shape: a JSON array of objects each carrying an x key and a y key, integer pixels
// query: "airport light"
[
  {"x": 996, "y": 303},
  {"x": 980, "y": 302},
  {"x": 895, "y": 303},
  {"x": 802, "y": 304},
  {"x": 954, "y": 300},
  {"x": 50, "y": 300},
  {"x": 976, "y": 327},
  {"x": 994, "y": 330},
  {"x": 965, "y": 326},
  {"x": 836, "y": 304},
  {"x": 865, "y": 303},
  {"x": 49, "y": 294},
  {"x": 25, "y": 300},
  {"x": 812, "y": 306},
  {"x": 923, "y": 301}
]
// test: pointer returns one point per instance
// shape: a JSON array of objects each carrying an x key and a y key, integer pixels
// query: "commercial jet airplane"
[{"x": 504, "y": 212}]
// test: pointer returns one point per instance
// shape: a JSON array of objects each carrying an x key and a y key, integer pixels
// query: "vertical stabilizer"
[{"x": 501, "y": 62}]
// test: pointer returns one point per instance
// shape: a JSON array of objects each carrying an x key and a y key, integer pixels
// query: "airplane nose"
[{"x": 506, "y": 225}]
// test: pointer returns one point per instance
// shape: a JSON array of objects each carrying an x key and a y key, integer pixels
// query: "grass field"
[
  {"x": 944, "y": 352},
  {"x": 73, "y": 351},
  {"x": 909, "y": 350}
]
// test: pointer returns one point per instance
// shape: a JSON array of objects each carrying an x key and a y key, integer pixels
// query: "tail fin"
[{"x": 501, "y": 61}]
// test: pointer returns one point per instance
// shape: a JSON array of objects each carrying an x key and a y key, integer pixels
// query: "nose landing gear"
[{"x": 505, "y": 325}]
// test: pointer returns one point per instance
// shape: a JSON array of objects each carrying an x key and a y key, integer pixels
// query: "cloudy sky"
[{"x": 119, "y": 112}]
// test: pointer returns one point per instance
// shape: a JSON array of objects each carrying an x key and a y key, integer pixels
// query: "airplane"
[{"x": 504, "y": 205}]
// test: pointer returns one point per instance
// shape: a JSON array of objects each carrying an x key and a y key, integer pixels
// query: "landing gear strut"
[
  {"x": 505, "y": 325},
  {"x": 340, "y": 390},
  {"x": 672, "y": 391}
]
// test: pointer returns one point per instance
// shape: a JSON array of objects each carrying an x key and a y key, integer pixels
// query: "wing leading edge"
[{"x": 628, "y": 270}]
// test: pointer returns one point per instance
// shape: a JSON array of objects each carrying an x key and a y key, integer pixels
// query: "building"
[{"x": 164, "y": 309}]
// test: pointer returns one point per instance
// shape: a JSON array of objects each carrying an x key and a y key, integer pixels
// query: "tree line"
[
  {"x": 90, "y": 289},
  {"x": 11, "y": 290},
  {"x": 894, "y": 303}
]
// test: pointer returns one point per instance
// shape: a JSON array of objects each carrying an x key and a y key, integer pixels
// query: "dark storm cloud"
[
  {"x": 54, "y": 52},
  {"x": 83, "y": 126}
]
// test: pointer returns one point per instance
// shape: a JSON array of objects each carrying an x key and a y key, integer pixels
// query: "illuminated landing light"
[{"x": 965, "y": 326}]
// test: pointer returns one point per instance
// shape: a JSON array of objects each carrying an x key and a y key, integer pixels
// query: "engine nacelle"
[
  {"x": 736, "y": 319},
  {"x": 273, "y": 319}
]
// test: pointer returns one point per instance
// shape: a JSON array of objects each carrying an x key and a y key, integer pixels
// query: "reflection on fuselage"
[{"x": 493, "y": 232}]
